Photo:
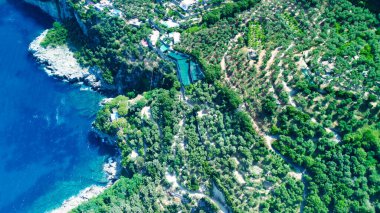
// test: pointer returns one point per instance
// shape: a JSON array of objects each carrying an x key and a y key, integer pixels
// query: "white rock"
[{"x": 61, "y": 63}]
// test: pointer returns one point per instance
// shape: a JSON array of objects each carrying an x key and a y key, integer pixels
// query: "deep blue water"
[{"x": 46, "y": 151}]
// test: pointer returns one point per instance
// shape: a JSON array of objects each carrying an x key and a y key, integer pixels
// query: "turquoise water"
[{"x": 47, "y": 153}]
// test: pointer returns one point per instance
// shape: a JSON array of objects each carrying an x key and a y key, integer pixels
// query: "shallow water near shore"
[{"x": 47, "y": 153}]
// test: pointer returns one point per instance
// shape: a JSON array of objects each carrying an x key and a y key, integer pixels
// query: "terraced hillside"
[
  {"x": 287, "y": 118},
  {"x": 313, "y": 95}
]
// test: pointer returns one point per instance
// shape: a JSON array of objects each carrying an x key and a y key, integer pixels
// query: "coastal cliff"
[
  {"x": 58, "y": 9},
  {"x": 137, "y": 68}
]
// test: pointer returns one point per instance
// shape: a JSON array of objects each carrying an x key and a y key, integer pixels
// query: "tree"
[
  {"x": 211, "y": 17},
  {"x": 229, "y": 99},
  {"x": 212, "y": 72},
  {"x": 269, "y": 105},
  {"x": 315, "y": 204}
]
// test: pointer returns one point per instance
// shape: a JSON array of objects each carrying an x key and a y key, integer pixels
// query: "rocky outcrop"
[
  {"x": 58, "y": 9},
  {"x": 83, "y": 196},
  {"x": 112, "y": 169},
  {"x": 60, "y": 62}
]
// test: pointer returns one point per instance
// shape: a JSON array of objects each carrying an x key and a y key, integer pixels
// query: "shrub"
[{"x": 56, "y": 36}]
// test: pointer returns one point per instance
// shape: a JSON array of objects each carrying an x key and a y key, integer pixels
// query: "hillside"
[{"x": 285, "y": 117}]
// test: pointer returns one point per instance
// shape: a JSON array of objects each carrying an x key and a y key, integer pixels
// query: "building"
[
  {"x": 252, "y": 54},
  {"x": 187, "y": 4},
  {"x": 176, "y": 36},
  {"x": 135, "y": 22},
  {"x": 154, "y": 37}
]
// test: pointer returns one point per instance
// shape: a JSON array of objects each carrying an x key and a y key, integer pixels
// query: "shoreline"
[
  {"x": 60, "y": 63},
  {"x": 111, "y": 169}
]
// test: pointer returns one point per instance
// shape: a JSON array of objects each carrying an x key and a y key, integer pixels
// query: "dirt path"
[
  {"x": 271, "y": 60},
  {"x": 223, "y": 62},
  {"x": 268, "y": 140},
  {"x": 290, "y": 94},
  {"x": 261, "y": 59},
  {"x": 198, "y": 195},
  {"x": 337, "y": 138}
]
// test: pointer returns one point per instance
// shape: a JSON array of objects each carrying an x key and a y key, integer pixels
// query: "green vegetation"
[
  {"x": 295, "y": 130},
  {"x": 115, "y": 47},
  {"x": 127, "y": 195},
  {"x": 194, "y": 29},
  {"x": 372, "y": 5},
  {"x": 56, "y": 36},
  {"x": 228, "y": 10},
  {"x": 306, "y": 94},
  {"x": 212, "y": 72},
  {"x": 198, "y": 149},
  {"x": 255, "y": 35},
  {"x": 292, "y": 22}
]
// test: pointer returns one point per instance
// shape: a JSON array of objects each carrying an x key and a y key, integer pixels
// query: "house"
[
  {"x": 144, "y": 43},
  {"x": 135, "y": 22},
  {"x": 114, "y": 115},
  {"x": 252, "y": 54},
  {"x": 186, "y": 4},
  {"x": 99, "y": 7},
  {"x": 154, "y": 37},
  {"x": 176, "y": 36},
  {"x": 102, "y": 5},
  {"x": 164, "y": 48},
  {"x": 116, "y": 13}
]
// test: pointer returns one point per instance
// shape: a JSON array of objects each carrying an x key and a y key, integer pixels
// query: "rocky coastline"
[
  {"x": 111, "y": 169},
  {"x": 59, "y": 62}
]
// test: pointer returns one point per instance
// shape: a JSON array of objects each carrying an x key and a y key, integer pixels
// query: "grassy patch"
[{"x": 255, "y": 35}]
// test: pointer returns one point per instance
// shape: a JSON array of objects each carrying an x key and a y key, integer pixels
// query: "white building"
[
  {"x": 186, "y": 4},
  {"x": 154, "y": 37},
  {"x": 176, "y": 37},
  {"x": 135, "y": 22}
]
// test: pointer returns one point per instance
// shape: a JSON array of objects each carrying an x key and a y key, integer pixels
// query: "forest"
[{"x": 294, "y": 129}]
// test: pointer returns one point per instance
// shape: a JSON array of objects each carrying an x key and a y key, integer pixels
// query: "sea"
[{"x": 47, "y": 150}]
